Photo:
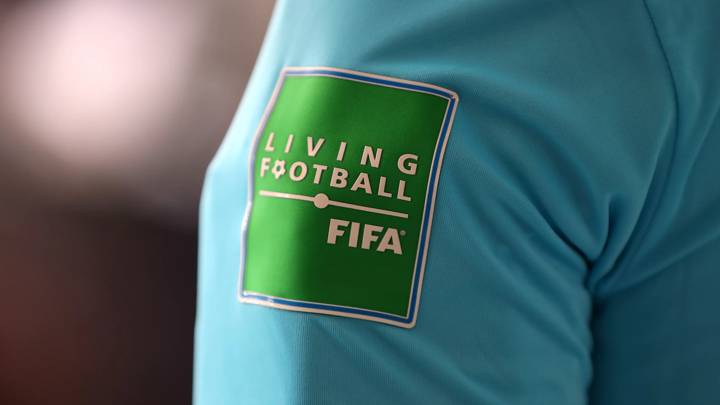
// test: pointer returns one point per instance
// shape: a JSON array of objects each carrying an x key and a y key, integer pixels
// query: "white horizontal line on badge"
[{"x": 321, "y": 200}]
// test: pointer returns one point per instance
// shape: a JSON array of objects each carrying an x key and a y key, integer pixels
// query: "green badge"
[{"x": 343, "y": 175}]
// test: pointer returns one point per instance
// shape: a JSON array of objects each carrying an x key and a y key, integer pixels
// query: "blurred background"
[{"x": 110, "y": 110}]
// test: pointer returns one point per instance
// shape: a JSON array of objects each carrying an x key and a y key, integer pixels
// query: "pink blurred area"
[
  {"x": 110, "y": 111},
  {"x": 118, "y": 103}
]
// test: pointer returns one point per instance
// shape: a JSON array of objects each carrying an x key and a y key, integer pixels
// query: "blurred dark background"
[{"x": 110, "y": 110}]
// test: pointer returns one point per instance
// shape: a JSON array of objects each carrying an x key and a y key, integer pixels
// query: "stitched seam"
[{"x": 656, "y": 202}]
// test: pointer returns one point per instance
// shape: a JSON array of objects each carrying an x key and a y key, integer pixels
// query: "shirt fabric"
[{"x": 575, "y": 247}]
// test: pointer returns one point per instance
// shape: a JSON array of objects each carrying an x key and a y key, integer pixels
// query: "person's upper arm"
[{"x": 562, "y": 119}]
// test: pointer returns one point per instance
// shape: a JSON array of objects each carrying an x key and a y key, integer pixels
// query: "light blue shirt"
[{"x": 575, "y": 248}]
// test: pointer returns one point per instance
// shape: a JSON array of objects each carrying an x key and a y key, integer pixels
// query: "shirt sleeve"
[
  {"x": 561, "y": 138},
  {"x": 656, "y": 325}
]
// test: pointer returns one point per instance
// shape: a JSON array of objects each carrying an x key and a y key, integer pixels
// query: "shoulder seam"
[{"x": 651, "y": 205}]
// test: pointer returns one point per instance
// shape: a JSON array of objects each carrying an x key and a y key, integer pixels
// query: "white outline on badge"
[{"x": 410, "y": 318}]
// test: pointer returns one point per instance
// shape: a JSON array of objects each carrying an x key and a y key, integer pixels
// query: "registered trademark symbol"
[{"x": 402, "y": 232}]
